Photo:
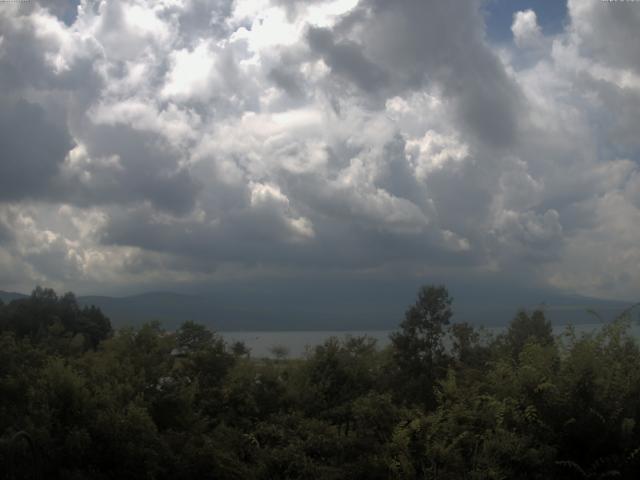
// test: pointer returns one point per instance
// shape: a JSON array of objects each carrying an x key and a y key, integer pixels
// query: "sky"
[
  {"x": 551, "y": 16},
  {"x": 312, "y": 149}
]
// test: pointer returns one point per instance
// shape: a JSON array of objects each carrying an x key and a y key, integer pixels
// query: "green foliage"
[
  {"x": 55, "y": 322},
  {"x": 443, "y": 401},
  {"x": 525, "y": 328},
  {"x": 418, "y": 348}
]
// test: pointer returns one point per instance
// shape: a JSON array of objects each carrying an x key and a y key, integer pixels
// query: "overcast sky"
[{"x": 188, "y": 144}]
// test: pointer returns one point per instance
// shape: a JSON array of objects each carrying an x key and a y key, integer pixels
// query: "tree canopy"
[{"x": 444, "y": 400}]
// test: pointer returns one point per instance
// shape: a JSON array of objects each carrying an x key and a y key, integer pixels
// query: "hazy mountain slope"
[
  {"x": 227, "y": 313},
  {"x": 6, "y": 297}
]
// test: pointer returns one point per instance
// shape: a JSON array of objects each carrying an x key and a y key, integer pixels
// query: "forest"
[{"x": 444, "y": 400}]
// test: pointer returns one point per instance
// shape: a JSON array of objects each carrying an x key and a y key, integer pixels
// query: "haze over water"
[{"x": 298, "y": 343}]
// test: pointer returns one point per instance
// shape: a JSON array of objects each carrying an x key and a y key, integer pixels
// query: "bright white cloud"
[
  {"x": 525, "y": 28},
  {"x": 192, "y": 74}
]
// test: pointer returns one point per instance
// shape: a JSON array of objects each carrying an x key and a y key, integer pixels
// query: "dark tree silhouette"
[{"x": 418, "y": 349}]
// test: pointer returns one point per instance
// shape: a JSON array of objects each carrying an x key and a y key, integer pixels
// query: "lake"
[{"x": 297, "y": 342}]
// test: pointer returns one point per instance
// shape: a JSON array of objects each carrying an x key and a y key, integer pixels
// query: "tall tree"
[
  {"x": 524, "y": 328},
  {"x": 418, "y": 349}
]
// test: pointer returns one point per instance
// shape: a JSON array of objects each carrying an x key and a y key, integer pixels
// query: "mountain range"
[{"x": 228, "y": 314}]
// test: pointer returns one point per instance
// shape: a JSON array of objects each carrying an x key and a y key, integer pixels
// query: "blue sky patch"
[{"x": 551, "y": 15}]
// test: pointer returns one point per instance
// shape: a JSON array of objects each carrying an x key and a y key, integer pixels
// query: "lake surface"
[{"x": 297, "y": 342}]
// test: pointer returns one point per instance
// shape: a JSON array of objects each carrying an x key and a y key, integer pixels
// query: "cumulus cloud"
[
  {"x": 525, "y": 28},
  {"x": 607, "y": 33},
  {"x": 154, "y": 143}
]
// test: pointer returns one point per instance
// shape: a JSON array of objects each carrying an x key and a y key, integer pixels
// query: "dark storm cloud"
[
  {"x": 130, "y": 166},
  {"x": 22, "y": 63},
  {"x": 464, "y": 196},
  {"x": 288, "y": 79},
  {"x": 6, "y": 234},
  {"x": 398, "y": 177},
  {"x": 258, "y": 239},
  {"x": 346, "y": 59},
  {"x": 244, "y": 237},
  {"x": 425, "y": 42},
  {"x": 33, "y": 148},
  {"x": 34, "y": 132}
]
